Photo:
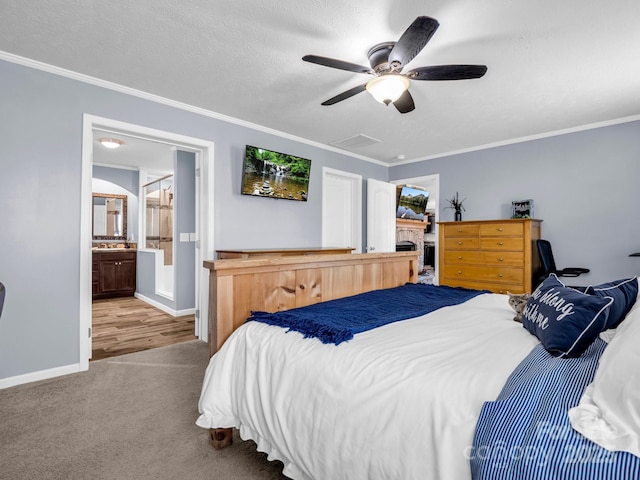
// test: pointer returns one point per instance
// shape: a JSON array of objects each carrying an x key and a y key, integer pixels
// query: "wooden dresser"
[{"x": 496, "y": 255}]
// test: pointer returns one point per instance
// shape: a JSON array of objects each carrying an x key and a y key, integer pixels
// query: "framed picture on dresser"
[{"x": 522, "y": 209}]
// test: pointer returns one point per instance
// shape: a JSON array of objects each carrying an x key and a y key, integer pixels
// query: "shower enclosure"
[{"x": 158, "y": 208}]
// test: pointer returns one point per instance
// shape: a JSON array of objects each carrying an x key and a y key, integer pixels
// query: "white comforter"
[{"x": 397, "y": 402}]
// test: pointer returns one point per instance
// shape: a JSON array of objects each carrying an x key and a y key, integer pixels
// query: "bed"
[{"x": 427, "y": 396}]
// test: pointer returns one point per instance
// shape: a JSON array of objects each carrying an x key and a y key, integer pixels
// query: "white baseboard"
[
  {"x": 186, "y": 311},
  {"x": 39, "y": 375},
  {"x": 164, "y": 308}
]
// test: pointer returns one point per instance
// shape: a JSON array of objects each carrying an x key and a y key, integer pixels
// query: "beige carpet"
[{"x": 128, "y": 417}]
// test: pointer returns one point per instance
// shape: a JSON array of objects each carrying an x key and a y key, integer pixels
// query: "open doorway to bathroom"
[
  {"x": 134, "y": 304},
  {"x": 124, "y": 315}
]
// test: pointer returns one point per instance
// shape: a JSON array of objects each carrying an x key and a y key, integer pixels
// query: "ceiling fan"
[{"x": 387, "y": 61}]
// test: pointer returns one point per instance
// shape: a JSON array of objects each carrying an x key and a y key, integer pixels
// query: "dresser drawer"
[
  {"x": 491, "y": 274},
  {"x": 498, "y": 243},
  {"x": 497, "y": 229},
  {"x": 515, "y": 259},
  {"x": 504, "y": 288},
  {"x": 493, "y": 287},
  {"x": 462, "y": 243},
  {"x": 462, "y": 230}
]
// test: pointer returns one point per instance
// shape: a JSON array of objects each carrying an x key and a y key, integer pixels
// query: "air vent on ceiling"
[{"x": 357, "y": 141}]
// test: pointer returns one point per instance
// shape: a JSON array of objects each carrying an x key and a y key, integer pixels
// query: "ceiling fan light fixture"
[
  {"x": 388, "y": 88},
  {"x": 110, "y": 142}
]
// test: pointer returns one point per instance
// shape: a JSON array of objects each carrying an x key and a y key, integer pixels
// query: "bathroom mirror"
[{"x": 109, "y": 216}]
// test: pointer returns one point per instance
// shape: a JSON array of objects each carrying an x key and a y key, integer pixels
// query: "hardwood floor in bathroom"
[{"x": 127, "y": 325}]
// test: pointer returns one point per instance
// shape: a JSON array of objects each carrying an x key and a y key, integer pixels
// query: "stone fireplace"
[{"x": 412, "y": 231}]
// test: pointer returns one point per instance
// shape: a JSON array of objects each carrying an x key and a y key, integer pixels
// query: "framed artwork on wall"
[{"x": 522, "y": 209}]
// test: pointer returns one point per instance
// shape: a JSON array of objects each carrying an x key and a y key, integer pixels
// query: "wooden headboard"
[{"x": 238, "y": 286}]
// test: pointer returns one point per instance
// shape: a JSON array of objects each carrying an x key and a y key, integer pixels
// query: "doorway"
[
  {"x": 430, "y": 183},
  {"x": 203, "y": 235}
]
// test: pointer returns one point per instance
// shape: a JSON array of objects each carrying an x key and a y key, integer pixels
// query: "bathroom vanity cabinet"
[{"x": 114, "y": 273}]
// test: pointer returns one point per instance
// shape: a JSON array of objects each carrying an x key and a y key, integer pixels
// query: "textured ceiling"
[{"x": 551, "y": 65}]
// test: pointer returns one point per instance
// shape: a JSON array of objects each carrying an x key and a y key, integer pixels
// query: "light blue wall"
[
  {"x": 146, "y": 278},
  {"x": 585, "y": 188},
  {"x": 125, "y": 178},
  {"x": 185, "y": 222},
  {"x": 40, "y": 190}
]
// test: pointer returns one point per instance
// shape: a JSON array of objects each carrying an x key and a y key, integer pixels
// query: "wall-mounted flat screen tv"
[
  {"x": 411, "y": 202},
  {"x": 266, "y": 173}
]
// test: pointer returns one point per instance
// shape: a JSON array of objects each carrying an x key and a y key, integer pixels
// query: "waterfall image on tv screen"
[{"x": 266, "y": 173}]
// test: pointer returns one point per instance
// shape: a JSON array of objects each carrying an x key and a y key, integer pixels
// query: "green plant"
[{"x": 455, "y": 203}]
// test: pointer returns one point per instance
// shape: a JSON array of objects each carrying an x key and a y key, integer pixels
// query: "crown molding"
[
  {"x": 10, "y": 57},
  {"x": 554, "y": 133},
  {"x": 27, "y": 62}
]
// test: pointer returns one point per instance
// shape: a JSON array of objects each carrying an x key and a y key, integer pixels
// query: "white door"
[
  {"x": 381, "y": 216},
  {"x": 341, "y": 209}
]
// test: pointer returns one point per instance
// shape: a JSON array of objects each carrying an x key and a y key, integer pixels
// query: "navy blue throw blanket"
[{"x": 337, "y": 321}]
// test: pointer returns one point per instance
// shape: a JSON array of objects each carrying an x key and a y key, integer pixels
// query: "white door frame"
[
  {"x": 204, "y": 150},
  {"x": 356, "y": 206}
]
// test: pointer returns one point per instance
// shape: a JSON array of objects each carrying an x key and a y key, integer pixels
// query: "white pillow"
[{"x": 609, "y": 410}]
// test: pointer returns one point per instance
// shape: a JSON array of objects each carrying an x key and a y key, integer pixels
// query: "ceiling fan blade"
[
  {"x": 344, "y": 95},
  {"x": 405, "y": 103},
  {"x": 413, "y": 40},
  {"x": 339, "y": 64},
  {"x": 447, "y": 72}
]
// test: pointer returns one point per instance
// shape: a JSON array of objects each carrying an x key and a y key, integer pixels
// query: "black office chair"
[
  {"x": 548, "y": 263},
  {"x": 2, "y": 291}
]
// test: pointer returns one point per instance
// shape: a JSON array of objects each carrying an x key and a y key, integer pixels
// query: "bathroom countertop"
[{"x": 113, "y": 249}]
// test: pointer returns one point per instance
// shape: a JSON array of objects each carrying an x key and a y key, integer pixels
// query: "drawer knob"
[
  {"x": 500, "y": 243},
  {"x": 459, "y": 272},
  {"x": 500, "y": 229},
  {"x": 500, "y": 275},
  {"x": 459, "y": 243},
  {"x": 501, "y": 259},
  {"x": 459, "y": 230},
  {"x": 459, "y": 257}
]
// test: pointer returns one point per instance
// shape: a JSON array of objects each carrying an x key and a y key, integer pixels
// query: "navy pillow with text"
[{"x": 565, "y": 320}]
